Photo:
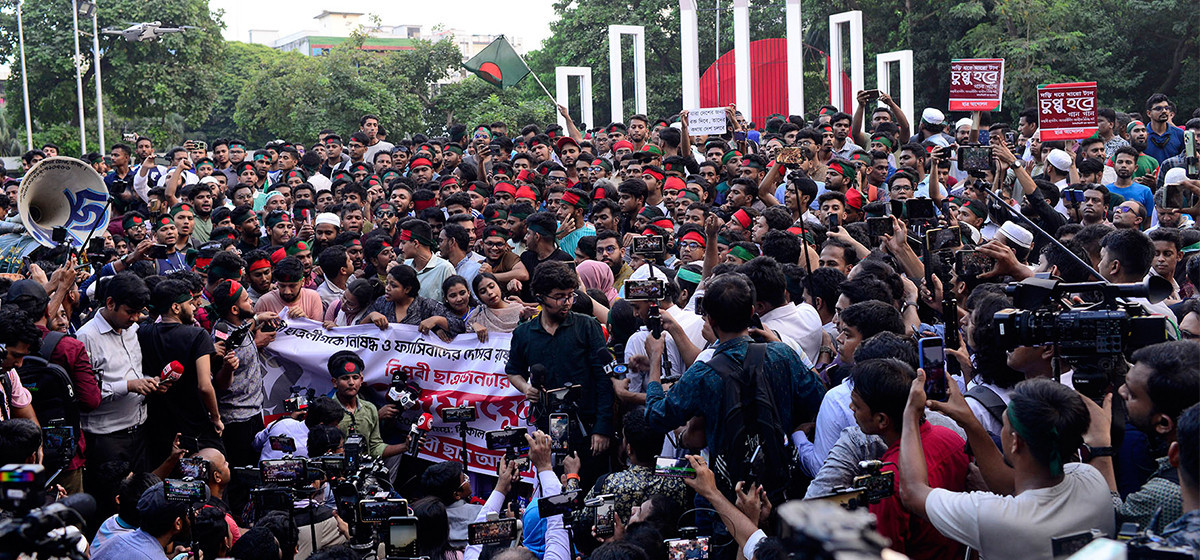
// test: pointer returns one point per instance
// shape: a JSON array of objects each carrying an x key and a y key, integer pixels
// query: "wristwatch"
[{"x": 1087, "y": 452}]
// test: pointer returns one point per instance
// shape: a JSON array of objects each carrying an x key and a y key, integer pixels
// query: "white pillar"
[
  {"x": 853, "y": 20},
  {"x": 883, "y": 65},
  {"x": 689, "y": 49},
  {"x": 614, "y": 69},
  {"x": 562, "y": 76},
  {"x": 741, "y": 56},
  {"x": 795, "y": 58}
]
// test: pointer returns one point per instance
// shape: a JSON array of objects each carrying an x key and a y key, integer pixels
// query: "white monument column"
[
  {"x": 562, "y": 77},
  {"x": 795, "y": 58},
  {"x": 741, "y": 56},
  {"x": 883, "y": 76},
  {"x": 614, "y": 69},
  {"x": 689, "y": 49},
  {"x": 853, "y": 20}
]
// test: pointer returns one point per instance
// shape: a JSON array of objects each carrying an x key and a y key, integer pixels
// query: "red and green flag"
[{"x": 498, "y": 64}]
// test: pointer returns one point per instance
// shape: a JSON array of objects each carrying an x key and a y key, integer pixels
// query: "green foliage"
[
  {"x": 474, "y": 101},
  {"x": 243, "y": 61}
]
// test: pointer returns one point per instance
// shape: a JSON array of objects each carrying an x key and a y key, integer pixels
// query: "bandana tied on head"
[
  {"x": 674, "y": 184},
  {"x": 181, "y": 207},
  {"x": 420, "y": 205},
  {"x": 742, "y": 218},
  {"x": 162, "y": 221},
  {"x": 132, "y": 222},
  {"x": 694, "y": 236},
  {"x": 506, "y": 188},
  {"x": 622, "y": 144},
  {"x": 223, "y": 300},
  {"x": 741, "y": 253},
  {"x": 657, "y": 176},
  {"x": 573, "y": 199},
  {"x": 419, "y": 162},
  {"x": 725, "y": 159}
]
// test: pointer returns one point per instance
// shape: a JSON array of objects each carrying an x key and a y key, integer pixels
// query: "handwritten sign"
[
  {"x": 1067, "y": 111},
  {"x": 976, "y": 84},
  {"x": 709, "y": 121}
]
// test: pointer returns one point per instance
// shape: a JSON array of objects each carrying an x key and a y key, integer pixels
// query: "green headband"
[
  {"x": 741, "y": 253},
  {"x": 1056, "y": 463},
  {"x": 883, "y": 139},
  {"x": 1193, "y": 247},
  {"x": 686, "y": 275}
]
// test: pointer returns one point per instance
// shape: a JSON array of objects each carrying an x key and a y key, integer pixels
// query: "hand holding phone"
[{"x": 933, "y": 361}]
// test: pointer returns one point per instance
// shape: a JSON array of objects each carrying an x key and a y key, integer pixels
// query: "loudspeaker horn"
[{"x": 63, "y": 192}]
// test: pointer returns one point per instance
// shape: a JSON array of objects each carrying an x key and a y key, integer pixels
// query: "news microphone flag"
[{"x": 498, "y": 64}]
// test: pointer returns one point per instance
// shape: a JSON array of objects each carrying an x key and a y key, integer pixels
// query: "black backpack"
[
  {"x": 52, "y": 389},
  {"x": 752, "y": 439}
]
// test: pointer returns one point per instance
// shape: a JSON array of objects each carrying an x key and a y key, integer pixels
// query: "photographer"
[
  {"x": 127, "y": 519},
  {"x": 322, "y": 411},
  {"x": 1039, "y": 497},
  {"x": 448, "y": 482},
  {"x": 161, "y": 522},
  {"x": 1125, "y": 258},
  {"x": 239, "y": 383},
  {"x": 636, "y": 484},
  {"x": 685, "y": 323},
  {"x": 570, "y": 348},
  {"x": 218, "y": 481},
  {"x": 1164, "y": 381}
]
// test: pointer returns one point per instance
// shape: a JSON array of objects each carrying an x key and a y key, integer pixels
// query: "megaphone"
[{"x": 63, "y": 192}]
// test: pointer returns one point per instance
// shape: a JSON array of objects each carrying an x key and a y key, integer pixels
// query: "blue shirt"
[
  {"x": 134, "y": 545},
  {"x": 797, "y": 391},
  {"x": 1163, "y": 146}
]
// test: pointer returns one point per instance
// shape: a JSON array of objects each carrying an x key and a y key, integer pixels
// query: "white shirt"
[
  {"x": 692, "y": 325},
  {"x": 116, "y": 358},
  {"x": 1020, "y": 527},
  {"x": 328, "y": 292},
  {"x": 801, "y": 323}
]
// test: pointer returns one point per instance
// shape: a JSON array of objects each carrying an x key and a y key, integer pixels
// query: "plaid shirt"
[{"x": 1158, "y": 492}]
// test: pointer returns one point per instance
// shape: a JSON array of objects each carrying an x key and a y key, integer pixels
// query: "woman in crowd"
[
  {"x": 354, "y": 305},
  {"x": 402, "y": 304},
  {"x": 494, "y": 314}
]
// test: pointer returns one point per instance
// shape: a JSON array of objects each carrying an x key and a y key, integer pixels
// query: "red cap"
[{"x": 564, "y": 141}]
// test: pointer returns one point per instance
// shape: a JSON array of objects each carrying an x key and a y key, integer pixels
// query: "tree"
[
  {"x": 142, "y": 79},
  {"x": 473, "y": 101},
  {"x": 239, "y": 69}
]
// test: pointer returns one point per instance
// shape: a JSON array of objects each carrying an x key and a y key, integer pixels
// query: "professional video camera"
[
  {"x": 1130, "y": 544},
  {"x": 819, "y": 530},
  {"x": 868, "y": 488},
  {"x": 51, "y": 531},
  {"x": 1093, "y": 339},
  {"x": 299, "y": 399}
]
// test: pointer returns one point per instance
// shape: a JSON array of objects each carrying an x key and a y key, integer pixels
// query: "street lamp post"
[
  {"x": 88, "y": 6},
  {"x": 24, "y": 78},
  {"x": 78, "y": 76}
]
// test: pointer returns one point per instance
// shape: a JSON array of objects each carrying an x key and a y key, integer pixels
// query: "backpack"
[
  {"x": 752, "y": 439},
  {"x": 991, "y": 402},
  {"x": 52, "y": 389}
]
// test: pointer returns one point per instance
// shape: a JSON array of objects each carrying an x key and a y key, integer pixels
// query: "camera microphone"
[
  {"x": 418, "y": 431},
  {"x": 537, "y": 375}
]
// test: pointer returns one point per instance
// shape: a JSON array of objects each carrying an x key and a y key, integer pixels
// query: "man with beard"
[
  {"x": 504, "y": 263},
  {"x": 610, "y": 252},
  {"x": 1139, "y": 135},
  {"x": 605, "y": 214},
  {"x": 638, "y": 131},
  {"x": 1094, "y": 208},
  {"x": 201, "y": 197},
  {"x": 570, "y": 348},
  {"x": 239, "y": 386},
  {"x": 1164, "y": 139},
  {"x": 568, "y": 152},
  {"x": 1125, "y": 164},
  {"x": 290, "y": 292},
  {"x": 258, "y": 274},
  {"x": 570, "y": 211},
  {"x": 166, "y": 233},
  {"x": 1164, "y": 381},
  {"x": 245, "y": 221},
  {"x": 188, "y": 405}
]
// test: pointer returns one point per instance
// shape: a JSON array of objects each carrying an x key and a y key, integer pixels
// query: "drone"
[{"x": 147, "y": 31}]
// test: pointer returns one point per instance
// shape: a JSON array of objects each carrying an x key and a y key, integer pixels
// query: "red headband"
[
  {"x": 570, "y": 198},
  {"x": 742, "y": 218},
  {"x": 622, "y": 144},
  {"x": 525, "y": 175},
  {"x": 599, "y": 193},
  {"x": 278, "y": 255},
  {"x": 451, "y": 180},
  {"x": 657, "y": 176},
  {"x": 420, "y": 162},
  {"x": 406, "y": 235},
  {"x": 648, "y": 231},
  {"x": 506, "y": 188},
  {"x": 664, "y": 223},
  {"x": 527, "y": 193},
  {"x": 260, "y": 263},
  {"x": 423, "y": 204},
  {"x": 203, "y": 262},
  {"x": 674, "y": 184},
  {"x": 694, "y": 236}
]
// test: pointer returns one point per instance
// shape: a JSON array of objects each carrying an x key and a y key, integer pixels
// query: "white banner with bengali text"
[{"x": 449, "y": 374}]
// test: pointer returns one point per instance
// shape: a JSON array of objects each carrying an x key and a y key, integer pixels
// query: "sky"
[{"x": 531, "y": 22}]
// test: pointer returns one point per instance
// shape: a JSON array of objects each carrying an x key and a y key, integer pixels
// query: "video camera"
[
  {"x": 819, "y": 529},
  {"x": 51, "y": 531},
  {"x": 1130, "y": 544},
  {"x": 868, "y": 488},
  {"x": 299, "y": 399},
  {"x": 1092, "y": 338}
]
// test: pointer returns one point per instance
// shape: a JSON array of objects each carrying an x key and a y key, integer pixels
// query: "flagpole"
[{"x": 553, "y": 101}]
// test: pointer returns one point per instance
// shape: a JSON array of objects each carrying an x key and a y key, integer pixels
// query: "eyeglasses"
[
  {"x": 494, "y": 244},
  {"x": 608, "y": 249},
  {"x": 903, "y": 188},
  {"x": 1159, "y": 108},
  {"x": 565, "y": 298},
  {"x": 554, "y": 179},
  {"x": 1123, "y": 209},
  {"x": 690, "y": 245}
]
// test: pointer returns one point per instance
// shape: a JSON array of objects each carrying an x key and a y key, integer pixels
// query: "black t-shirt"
[
  {"x": 530, "y": 259},
  {"x": 163, "y": 343}
]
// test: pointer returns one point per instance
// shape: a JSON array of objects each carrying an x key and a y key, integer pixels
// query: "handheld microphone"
[
  {"x": 537, "y": 375},
  {"x": 418, "y": 431},
  {"x": 172, "y": 371}
]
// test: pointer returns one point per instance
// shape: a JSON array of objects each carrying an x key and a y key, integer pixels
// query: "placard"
[
  {"x": 1067, "y": 111},
  {"x": 976, "y": 84},
  {"x": 710, "y": 121}
]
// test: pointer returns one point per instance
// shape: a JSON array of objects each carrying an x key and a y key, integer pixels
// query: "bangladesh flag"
[{"x": 498, "y": 64}]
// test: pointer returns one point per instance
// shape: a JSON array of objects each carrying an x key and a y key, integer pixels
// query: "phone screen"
[
  {"x": 933, "y": 361},
  {"x": 402, "y": 537},
  {"x": 605, "y": 523},
  {"x": 670, "y": 466},
  {"x": 687, "y": 548},
  {"x": 559, "y": 426}
]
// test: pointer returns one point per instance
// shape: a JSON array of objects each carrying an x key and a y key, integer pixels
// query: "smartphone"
[
  {"x": 379, "y": 511},
  {"x": 283, "y": 471},
  {"x": 687, "y": 548},
  {"x": 492, "y": 532},
  {"x": 878, "y": 227},
  {"x": 872, "y": 94},
  {"x": 560, "y": 425},
  {"x": 933, "y": 361},
  {"x": 157, "y": 251},
  {"x": 673, "y": 467},
  {"x": 606, "y": 523},
  {"x": 975, "y": 158},
  {"x": 95, "y": 246},
  {"x": 739, "y": 136},
  {"x": 511, "y": 438},
  {"x": 283, "y": 443},
  {"x": 191, "y": 444},
  {"x": 194, "y": 468},
  {"x": 1074, "y": 197},
  {"x": 938, "y": 239},
  {"x": 1177, "y": 197},
  {"x": 402, "y": 537},
  {"x": 559, "y": 504},
  {"x": 834, "y": 222},
  {"x": 972, "y": 263},
  {"x": 918, "y": 209}
]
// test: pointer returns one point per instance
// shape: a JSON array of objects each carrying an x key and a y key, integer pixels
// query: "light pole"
[
  {"x": 86, "y": 8},
  {"x": 24, "y": 78},
  {"x": 78, "y": 76}
]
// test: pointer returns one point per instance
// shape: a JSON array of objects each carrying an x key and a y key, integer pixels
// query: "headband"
[
  {"x": 505, "y": 188},
  {"x": 603, "y": 163},
  {"x": 259, "y": 264},
  {"x": 730, "y": 155},
  {"x": 162, "y": 221},
  {"x": 1129, "y": 127},
  {"x": 742, "y": 218},
  {"x": 420, "y": 205},
  {"x": 450, "y": 180},
  {"x": 651, "y": 148},
  {"x": 657, "y": 176},
  {"x": 741, "y": 253},
  {"x": 420, "y": 162},
  {"x": 203, "y": 262},
  {"x": 673, "y": 183},
  {"x": 599, "y": 193},
  {"x": 1056, "y": 463},
  {"x": 132, "y": 222},
  {"x": 752, "y": 164},
  {"x": 181, "y": 207},
  {"x": 574, "y": 199},
  {"x": 524, "y": 176},
  {"x": 408, "y": 235},
  {"x": 622, "y": 144},
  {"x": 689, "y": 195},
  {"x": 694, "y": 236},
  {"x": 664, "y": 223},
  {"x": 722, "y": 239},
  {"x": 1193, "y": 247},
  {"x": 526, "y": 193},
  {"x": 688, "y": 276},
  {"x": 540, "y": 230},
  {"x": 882, "y": 139}
]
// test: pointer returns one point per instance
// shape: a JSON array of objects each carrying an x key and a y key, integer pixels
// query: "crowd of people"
[{"x": 756, "y": 309}]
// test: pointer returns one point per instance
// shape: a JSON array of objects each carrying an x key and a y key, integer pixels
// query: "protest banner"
[
  {"x": 976, "y": 84},
  {"x": 449, "y": 374},
  {"x": 1067, "y": 111},
  {"x": 710, "y": 121}
]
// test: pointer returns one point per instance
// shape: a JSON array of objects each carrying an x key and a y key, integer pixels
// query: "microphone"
[
  {"x": 537, "y": 375},
  {"x": 172, "y": 371},
  {"x": 418, "y": 431}
]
